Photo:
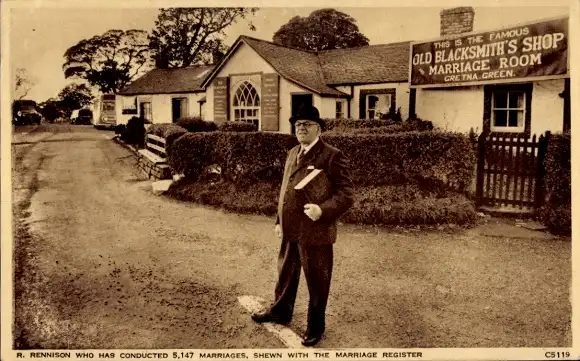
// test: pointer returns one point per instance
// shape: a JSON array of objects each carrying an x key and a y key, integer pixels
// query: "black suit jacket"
[{"x": 296, "y": 226}]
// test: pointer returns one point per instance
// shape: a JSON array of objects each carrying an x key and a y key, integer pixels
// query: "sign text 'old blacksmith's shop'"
[{"x": 528, "y": 51}]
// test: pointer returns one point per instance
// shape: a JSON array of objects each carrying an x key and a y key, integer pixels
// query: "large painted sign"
[
  {"x": 220, "y": 99},
  {"x": 270, "y": 101},
  {"x": 522, "y": 52}
]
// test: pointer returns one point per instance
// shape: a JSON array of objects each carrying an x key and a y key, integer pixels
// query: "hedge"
[
  {"x": 433, "y": 160},
  {"x": 556, "y": 211},
  {"x": 391, "y": 205},
  {"x": 236, "y": 126},
  {"x": 196, "y": 124},
  {"x": 409, "y": 204},
  {"x": 134, "y": 132},
  {"x": 243, "y": 157},
  {"x": 377, "y": 126},
  {"x": 170, "y": 132},
  {"x": 341, "y": 124}
]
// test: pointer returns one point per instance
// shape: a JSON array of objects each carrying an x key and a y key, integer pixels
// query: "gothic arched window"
[{"x": 246, "y": 104}]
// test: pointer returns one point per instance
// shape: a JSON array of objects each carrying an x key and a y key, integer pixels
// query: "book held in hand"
[{"x": 316, "y": 186}]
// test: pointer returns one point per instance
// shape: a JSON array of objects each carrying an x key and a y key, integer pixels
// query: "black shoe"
[
  {"x": 262, "y": 317},
  {"x": 311, "y": 339}
]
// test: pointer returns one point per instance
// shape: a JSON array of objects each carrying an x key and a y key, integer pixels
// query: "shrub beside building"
[
  {"x": 556, "y": 213},
  {"x": 402, "y": 178}
]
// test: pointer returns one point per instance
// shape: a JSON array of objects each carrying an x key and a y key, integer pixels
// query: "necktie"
[{"x": 300, "y": 155}]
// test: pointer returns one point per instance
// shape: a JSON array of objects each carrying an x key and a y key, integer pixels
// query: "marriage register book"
[{"x": 316, "y": 186}]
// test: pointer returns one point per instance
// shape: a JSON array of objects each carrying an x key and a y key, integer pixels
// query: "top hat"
[{"x": 308, "y": 112}]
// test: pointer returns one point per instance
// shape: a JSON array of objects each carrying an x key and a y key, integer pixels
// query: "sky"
[{"x": 40, "y": 32}]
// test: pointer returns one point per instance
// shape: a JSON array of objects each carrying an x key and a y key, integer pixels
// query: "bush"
[
  {"x": 376, "y": 126},
  {"x": 120, "y": 129},
  {"x": 397, "y": 128},
  {"x": 256, "y": 198},
  {"x": 135, "y": 132},
  {"x": 243, "y": 157},
  {"x": 192, "y": 153},
  {"x": 170, "y": 132},
  {"x": 343, "y": 124},
  {"x": 401, "y": 178},
  {"x": 409, "y": 204},
  {"x": 418, "y": 124},
  {"x": 234, "y": 126},
  {"x": 556, "y": 211},
  {"x": 434, "y": 160},
  {"x": 383, "y": 205},
  {"x": 195, "y": 124}
]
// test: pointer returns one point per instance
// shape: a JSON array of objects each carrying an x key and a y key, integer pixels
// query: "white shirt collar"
[{"x": 309, "y": 146}]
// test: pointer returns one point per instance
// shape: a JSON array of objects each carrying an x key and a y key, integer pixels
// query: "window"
[
  {"x": 146, "y": 111},
  {"x": 508, "y": 108},
  {"x": 378, "y": 104},
  {"x": 340, "y": 111},
  {"x": 246, "y": 104},
  {"x": 507, "y": 111},
  {"x": 129, "y": 105},
  {"x": 108, "y": 106}
]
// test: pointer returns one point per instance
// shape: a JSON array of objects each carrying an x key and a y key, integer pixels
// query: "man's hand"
[
  {"x": 313, "y": 211},
  {"x": 278, "y": 231}
]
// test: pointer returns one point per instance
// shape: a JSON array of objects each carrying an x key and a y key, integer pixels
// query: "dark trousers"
[{"x": 317, "y": 264}]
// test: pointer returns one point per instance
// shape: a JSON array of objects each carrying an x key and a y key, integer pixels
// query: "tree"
[
  {"x": 50, "y": 109},
  {"x": 108, "y": 61},
  {"x": 185, "y": 36},
  {"x": 323, "y": 29},
  {"x": 75, "y": 96},
  {"x": 22, "y": 83}
]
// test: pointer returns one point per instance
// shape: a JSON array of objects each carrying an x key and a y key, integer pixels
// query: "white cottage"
[
  {"x": 164, "y": 95},
  {"x": 506, "y": 81},
  {"x": 265, "y": 83}
]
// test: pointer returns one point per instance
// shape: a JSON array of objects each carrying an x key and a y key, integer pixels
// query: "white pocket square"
[{"x": 310, "y": 167}]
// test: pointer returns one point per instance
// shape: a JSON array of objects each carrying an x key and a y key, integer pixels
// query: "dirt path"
[{"x": 110, "y": 265}]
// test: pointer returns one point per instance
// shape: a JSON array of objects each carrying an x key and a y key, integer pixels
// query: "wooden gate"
[{"x": 510, "y": 171}]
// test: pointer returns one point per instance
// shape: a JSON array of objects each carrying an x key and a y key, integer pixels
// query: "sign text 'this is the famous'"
[{"x": 526, "y": 51}]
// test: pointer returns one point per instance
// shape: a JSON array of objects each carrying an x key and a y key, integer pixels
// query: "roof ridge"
[
  {"x": 282, "y": 46},
  {"x": 189, "y": 67},
  {"x": 366, "y": 46},
  {"x": 329, "y": 50}
]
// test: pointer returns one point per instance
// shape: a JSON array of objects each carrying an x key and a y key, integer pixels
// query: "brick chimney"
[{"x": 457, "y": 20}]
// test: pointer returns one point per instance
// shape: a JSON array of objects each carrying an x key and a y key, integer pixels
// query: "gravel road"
[{"x": 103, "y": 263}]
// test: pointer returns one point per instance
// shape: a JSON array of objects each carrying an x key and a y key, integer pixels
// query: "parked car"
[
  {"x": 73, "y": 116},
  {"x": 25, "y": 112},
  {"x": 82, "y": 116}
]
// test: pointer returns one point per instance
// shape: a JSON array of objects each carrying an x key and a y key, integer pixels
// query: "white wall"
[
  {"x": 160, "y": 106},
  {"x": 460, "y": 109},
  {"x": 328, "y": 107},
  {"x": 454, "y": 109},
  {"x": 401, "y": 96},
  {"x": 244, "y": 60},
  {"x": 122, "y": 118},
  {"x": 286, "y": 89},
  {"x": 547, "y": 106}
]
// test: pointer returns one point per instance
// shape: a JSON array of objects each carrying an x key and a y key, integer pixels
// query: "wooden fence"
[{"x": 510, "y": 170}]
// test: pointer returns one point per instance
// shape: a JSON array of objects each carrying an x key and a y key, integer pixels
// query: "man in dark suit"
[{"x": 308, "y": 230}]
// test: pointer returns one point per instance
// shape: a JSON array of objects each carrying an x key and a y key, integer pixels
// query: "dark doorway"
[
  {"x": 298, "y": 101},
  {"x": 178, "y": 108}
]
